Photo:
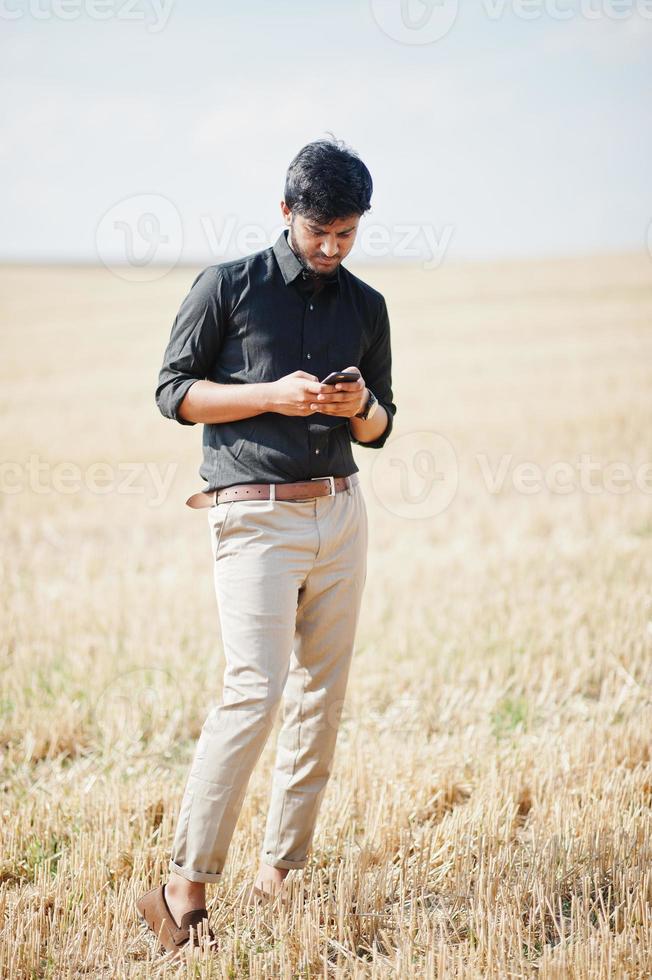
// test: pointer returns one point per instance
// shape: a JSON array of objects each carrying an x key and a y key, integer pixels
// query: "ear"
[{"x": 286, "y": 212}]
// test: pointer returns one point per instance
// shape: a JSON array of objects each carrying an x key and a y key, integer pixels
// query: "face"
[{"x": 320, "y": 247}]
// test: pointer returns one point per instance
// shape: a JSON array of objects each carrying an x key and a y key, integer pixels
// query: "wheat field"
[{"x": 490, "y": 809}]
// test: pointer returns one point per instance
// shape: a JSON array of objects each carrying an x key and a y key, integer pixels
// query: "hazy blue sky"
[{"x": 523, "y": 130}]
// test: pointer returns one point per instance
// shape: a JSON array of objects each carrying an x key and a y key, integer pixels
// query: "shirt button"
[
  {"x": 316, "y": 450},
  {"x": 308, "y": 355},
  {"x": 311, "y": 307}
]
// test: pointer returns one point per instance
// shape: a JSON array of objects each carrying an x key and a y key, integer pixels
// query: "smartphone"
[{"x": 336, "y": 376}]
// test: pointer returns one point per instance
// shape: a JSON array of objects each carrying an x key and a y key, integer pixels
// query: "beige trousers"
[{"x": 289, "y": 577}]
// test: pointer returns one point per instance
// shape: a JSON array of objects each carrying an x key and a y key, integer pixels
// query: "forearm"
[
  {"x": 208, "y": 401},
  {"x": 367, "y": 431}
]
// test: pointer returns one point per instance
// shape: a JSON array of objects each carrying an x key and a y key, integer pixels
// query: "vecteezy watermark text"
[
  {"x": 562, "y": 476},
  {"x": 141, "y": 238},
  {"x": 407, "y": 240},
  {"x": 154, "y": 13},
  {"x": 427, "y": 21},
  {"x": 43, "y": 477},
  {"x": 417, "y": 475}
]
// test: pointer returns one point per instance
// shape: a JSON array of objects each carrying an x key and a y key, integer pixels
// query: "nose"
[{"x": 329, "y": 249}]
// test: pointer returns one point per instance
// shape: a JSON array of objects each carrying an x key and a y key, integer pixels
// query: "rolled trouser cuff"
[
  {"x": 281, "y": 863},
  {"x": 191, "y": 875}
]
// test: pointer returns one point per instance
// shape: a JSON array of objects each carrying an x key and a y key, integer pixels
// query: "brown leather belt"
[{"x": 317, "y": 486}]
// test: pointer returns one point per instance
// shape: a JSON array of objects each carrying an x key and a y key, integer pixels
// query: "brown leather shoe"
[{"x": 153, "y": 908}]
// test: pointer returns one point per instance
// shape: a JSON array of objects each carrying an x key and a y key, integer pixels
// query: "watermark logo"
[
  {"x": 417, "y": 475},
  {"x": 140, "y": 238},
  {"x": 415, "y": 21}
]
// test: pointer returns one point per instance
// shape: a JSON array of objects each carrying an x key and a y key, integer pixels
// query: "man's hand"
[
  {"x": 294, "y": 394},
  {"x": 346, "y": 398}
]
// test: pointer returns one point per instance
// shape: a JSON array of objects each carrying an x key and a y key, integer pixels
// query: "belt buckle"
[{"x": 331, "y": 480}]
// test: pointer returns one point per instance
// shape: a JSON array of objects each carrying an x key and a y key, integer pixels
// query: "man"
[{"x": 248, "y": 349}]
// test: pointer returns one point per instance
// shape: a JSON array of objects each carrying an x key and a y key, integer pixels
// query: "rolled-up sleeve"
[
  {"x": 376, "y": 369},
  {"x": 195, "y": 340}
]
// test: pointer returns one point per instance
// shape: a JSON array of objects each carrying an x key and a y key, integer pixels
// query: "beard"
[{"x": 315, "y": 275}]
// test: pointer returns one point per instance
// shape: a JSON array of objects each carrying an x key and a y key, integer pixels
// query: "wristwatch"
[{"x": 369, "y": 409}]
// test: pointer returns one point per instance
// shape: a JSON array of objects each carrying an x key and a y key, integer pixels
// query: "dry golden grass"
[{"x": 490, "y": 811}]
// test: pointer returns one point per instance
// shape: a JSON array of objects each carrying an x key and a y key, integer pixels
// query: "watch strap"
[{"x": 370, "y": 401}]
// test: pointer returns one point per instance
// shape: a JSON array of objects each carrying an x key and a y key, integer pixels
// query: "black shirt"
[{"x": 256, "y": 319}]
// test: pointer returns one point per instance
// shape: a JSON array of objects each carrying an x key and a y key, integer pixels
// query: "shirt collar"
[{"x": 290, "y": 265}]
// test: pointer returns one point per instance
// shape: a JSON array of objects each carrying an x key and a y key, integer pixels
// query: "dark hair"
[{"x": 328, "y": 180}]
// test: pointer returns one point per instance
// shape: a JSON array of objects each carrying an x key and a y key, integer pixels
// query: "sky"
[{"x": 155, "y": 132}]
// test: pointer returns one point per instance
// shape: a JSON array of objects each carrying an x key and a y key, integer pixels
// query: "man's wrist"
[
  {"x": 363, "y": 407},
  {"x": 368, "y": 430},
  {"x": 266, "y": 402}
]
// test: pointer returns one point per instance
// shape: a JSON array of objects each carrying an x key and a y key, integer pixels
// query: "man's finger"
[
  {"x": 336, "y": 396},
  {"x": 332, "y": 410},
  {"x": 316, "y": 387}
]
